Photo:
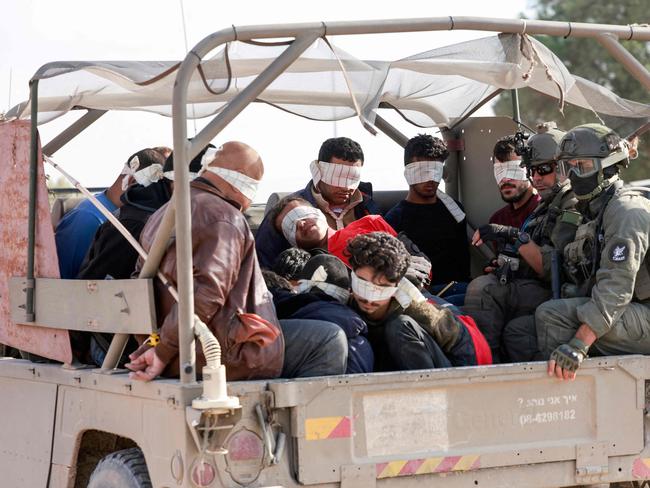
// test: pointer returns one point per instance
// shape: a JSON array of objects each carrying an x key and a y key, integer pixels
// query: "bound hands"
[{"x": 145, "y": 366}]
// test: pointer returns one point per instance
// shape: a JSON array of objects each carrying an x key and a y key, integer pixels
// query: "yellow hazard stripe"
[
  {"x": 465, "y": 463},
  {"x": 393, "y": 469},
  {"x": 428, "y": 466},
  {"x": 321, "y": 427}
]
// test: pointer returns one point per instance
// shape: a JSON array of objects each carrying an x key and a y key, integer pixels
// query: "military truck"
[{"x": 66, "y": 425}]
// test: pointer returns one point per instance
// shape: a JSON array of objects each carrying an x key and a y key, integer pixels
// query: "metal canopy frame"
[{"x": 303, "y": 34}]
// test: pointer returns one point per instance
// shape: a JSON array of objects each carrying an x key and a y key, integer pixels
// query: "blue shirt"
[{"x": 75, "y": 233}]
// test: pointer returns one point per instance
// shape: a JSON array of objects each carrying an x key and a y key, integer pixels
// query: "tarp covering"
[{"x": 433, "y": 88}]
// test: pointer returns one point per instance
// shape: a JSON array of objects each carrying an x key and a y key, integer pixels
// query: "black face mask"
[{"x": 584, "y": 186}]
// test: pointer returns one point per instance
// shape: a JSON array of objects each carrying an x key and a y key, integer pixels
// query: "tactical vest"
[
  {"x": 542, "y": 222},
  {"x": 582, "y": 257}
]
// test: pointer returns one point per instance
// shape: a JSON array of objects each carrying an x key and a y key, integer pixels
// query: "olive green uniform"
[
  {"x": 617, "y": 307},
  {"x": 551, "y": 226}
]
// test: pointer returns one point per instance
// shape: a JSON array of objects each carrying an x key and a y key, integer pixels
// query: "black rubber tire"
[{"x": 121, "y": 469}]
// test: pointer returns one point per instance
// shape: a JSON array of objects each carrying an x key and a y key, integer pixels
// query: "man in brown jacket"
[{"x": 229, "y": 292}]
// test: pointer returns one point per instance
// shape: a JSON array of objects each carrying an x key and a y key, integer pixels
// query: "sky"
[{"x": 35, "y": 32}]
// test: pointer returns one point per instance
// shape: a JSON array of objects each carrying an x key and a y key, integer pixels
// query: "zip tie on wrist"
[{"x": 154, "y": 339}]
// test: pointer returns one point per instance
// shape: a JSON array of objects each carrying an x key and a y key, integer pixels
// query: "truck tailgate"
[{"x": 464, "y": 419}]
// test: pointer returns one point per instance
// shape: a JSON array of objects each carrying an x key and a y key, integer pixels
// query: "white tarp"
[{"x": 433, "y": 88}]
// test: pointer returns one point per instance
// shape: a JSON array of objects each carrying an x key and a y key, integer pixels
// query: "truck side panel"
[
  {"x": 438, "y": 423},
  {"x": 26, "y": 440}
]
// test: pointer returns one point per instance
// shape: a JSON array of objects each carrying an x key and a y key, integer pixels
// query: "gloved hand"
[
  {"x": 495, "y": 232},
  {"x": 419, "y": 271},
  {"x": 570, "y": 356}
]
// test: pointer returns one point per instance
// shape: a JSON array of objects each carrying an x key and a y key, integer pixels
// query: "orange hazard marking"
[
  {"x": 641, "y": 468},
  {"x": 327, "y": 428},
  {"x": 428, "y": 466}
]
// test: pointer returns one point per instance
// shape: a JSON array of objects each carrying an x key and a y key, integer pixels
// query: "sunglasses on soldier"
[{"x": 542, "y": 169}]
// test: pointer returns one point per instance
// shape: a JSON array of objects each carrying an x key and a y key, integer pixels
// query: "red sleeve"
[{"x": 338, "y": 241}]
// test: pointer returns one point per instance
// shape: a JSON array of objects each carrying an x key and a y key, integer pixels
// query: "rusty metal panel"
[
  {"x": 117, "y": 306},
  {"x": 463, "y": 420},
  {"x": 14, "y": 199},
  {"x": 26, "y": 440}
]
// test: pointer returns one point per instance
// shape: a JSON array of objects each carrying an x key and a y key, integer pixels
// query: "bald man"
[{"x": 230, "y": 296}]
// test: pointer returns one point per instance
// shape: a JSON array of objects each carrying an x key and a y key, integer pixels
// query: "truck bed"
[{"x": 502, "y": 425}]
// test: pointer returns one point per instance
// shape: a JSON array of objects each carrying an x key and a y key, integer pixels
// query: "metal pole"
[
  {"x": 390, "y": 130},
  {"x": 73, "y": 131},
  {"x": 160, "y": 243},
  {"x": 513, "y": 26},
  {"x": 184, "y": 151},
  {"x": 515, "y": 107},
  {"x": 31, "y": 224},
  {"x": 483, "y": 102},
  {"x": 623, "y": 56},
  {"x": 251, "y": 92}
]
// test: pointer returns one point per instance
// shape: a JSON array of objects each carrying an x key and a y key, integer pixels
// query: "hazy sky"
[{"x": 35, "y": 32}]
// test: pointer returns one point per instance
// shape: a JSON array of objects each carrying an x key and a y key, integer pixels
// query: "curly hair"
[
  {"x": 279, "y": 207},
  {"x": 340, "y": 147},
  {"x": 425, "y": 146},
  {"x": 290, "y": 262},
  {"x": 504, "y": 149},
  {"x": 382, "y": 252},
  {"x": 275, "y": 281}
]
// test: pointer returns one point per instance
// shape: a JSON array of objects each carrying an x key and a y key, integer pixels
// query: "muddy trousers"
[
  {"x": 557, "y": 322},
  {"x": 500, "y": 304}
]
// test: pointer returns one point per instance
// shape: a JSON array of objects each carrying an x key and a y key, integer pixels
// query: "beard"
[{"x": 517, "y": 196}]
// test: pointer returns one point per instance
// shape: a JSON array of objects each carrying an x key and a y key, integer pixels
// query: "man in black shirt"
[{"x": 432, "y": 219}]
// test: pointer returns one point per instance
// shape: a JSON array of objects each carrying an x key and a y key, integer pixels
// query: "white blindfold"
[
  {"x": 423, "y": 171},
  {"x": 290, "y": 221},
  {"x": 511, "y": 170},
  {"x": 339, "y": 175}
]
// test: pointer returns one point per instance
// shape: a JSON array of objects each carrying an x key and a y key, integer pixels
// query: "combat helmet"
[
  {"x": 542, "y": 147},
  {"x": 585, "y": 153}
]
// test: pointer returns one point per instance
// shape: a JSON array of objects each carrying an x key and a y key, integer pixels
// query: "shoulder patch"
[{"x": 618, "y": 252}]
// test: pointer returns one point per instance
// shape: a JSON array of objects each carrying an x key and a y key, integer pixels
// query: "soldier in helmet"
[
  {"x": 507, "y": 307},
  {"x": 606, "y": 308}
]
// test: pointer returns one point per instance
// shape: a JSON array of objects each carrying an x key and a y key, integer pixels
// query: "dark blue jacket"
[
  {"x": 269, "y": 243},
  {"x": 319, "y": 306}
]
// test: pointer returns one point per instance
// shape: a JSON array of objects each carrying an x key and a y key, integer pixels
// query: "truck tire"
[{"x": 121, "y": 469}]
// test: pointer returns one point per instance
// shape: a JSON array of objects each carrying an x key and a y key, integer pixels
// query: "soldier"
[
  {"x": 507, "y": 307},
  {"x": 606, "y": 308}
]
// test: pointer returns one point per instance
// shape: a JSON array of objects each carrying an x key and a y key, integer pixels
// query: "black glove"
[
  {"x": 570, "y": 356},
  {"x": 495, "y": 232}
]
